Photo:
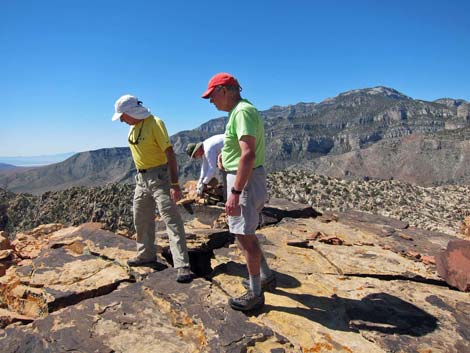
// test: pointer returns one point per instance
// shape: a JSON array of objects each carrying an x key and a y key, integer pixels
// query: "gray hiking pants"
[{"x": 153, "y": 190}]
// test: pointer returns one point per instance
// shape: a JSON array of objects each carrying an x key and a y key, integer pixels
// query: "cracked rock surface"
[{"x": 347, "y": 282}]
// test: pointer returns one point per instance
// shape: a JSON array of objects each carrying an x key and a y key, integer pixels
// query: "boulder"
[
  {"x": 4, "y": 241},
  {"x": 465, "y": 227},
  {"x": 6, "y": 253},
  {"x": 453, "y": 264}
]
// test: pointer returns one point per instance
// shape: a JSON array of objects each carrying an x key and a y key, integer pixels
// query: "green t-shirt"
[{"x": 243, "y": 120}]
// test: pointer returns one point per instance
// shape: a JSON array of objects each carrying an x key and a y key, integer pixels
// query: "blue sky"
[{"x": 64, "y": 63}]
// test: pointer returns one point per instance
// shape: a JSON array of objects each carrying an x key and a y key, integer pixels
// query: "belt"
[
  {"x": 150, "y": 169},
  {"x": 235, "y": 171}
]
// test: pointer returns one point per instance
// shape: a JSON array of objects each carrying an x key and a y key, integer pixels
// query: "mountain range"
[{"x": 364, "y": 133}]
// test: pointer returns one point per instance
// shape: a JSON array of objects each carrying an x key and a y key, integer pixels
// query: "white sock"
[
  {"x": 255, "y": 284},
  {"x": 265, "y": 271}
]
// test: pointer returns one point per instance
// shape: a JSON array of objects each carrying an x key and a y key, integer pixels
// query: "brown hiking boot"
[
  {"x": 247, "y": 301},
  {"x": 184, "y": 275}
]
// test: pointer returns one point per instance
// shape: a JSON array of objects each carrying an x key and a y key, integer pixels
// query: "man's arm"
[
  {"x": 247, "y": 160},
  {"x": 200, "y": 183},
  {"x": 175, "y": 191},
  {"x": 219, "y": 161},
  {"x": 245, "y": 167},
  {"x": 210, "y": 164}
]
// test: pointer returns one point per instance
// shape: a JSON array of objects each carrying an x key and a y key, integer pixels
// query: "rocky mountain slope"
[
  {"x": 431, "y": 159},
  {"x": 375, "y": 132},
  {"x": 92, "y": 168},
  {"x": 440, "y": 208}
]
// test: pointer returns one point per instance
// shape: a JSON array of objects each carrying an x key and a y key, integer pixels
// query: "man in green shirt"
[
  {"x": 156, "y": 185},
  {"x": 242, "y": 158}
]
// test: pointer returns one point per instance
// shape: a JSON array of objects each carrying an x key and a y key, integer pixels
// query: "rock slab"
[
  {"x": 155, "y": 315},
  {"x": 453, "y": 264}
]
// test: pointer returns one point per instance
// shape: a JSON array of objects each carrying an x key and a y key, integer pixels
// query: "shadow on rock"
[
  {"x": 157, "y": 266},
  {"x": 236, "y": 269},
  {"x": 379, "y": 312}
]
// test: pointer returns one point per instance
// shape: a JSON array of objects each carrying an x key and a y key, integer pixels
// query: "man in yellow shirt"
[{"x": 156, "y": 185}]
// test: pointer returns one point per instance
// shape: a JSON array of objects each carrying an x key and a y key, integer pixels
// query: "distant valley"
[
  {"x": 32, "y": 161},
  {"x": 376, "y": 133},
  {"x": 5, "y": 166}
]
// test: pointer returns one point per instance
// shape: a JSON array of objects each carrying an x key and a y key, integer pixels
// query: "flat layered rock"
[
  {"x": 347, "y": 282},
  {"x": 8, "y": 317},
  {"x": 349, "y": 287},
  {"x": 156, "y": 315},
  {"x": 72, "y": 265}
]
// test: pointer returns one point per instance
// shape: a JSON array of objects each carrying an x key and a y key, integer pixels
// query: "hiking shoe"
[
  {"x": 248, "y": 301},
  {"x": 135, "y": 261},
  {"x": 184, "y": 275},
  {"x": 267, "y": 285}
]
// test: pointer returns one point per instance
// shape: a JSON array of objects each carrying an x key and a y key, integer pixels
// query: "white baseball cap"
[{"x": 131, "y": 106}]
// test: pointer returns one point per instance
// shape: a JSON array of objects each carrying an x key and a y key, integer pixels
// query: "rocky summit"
[
  {"x": 435, "y": 208},
  {"x": 346, "y": 282}
]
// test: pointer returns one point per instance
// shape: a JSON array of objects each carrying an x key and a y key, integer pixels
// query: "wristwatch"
[{"x": 235, "y": 191}]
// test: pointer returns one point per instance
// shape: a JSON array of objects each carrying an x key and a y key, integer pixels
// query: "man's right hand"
[
  {"x": 175, "y": 193},
  {"x": 200, "y": 189},
  {"x": 219, "y": 162}
]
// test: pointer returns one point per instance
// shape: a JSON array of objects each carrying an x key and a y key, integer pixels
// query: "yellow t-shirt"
[{"x": 148, "y": 141}]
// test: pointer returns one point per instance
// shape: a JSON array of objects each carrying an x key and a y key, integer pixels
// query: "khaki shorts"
[{"x": 252, "y": 201}]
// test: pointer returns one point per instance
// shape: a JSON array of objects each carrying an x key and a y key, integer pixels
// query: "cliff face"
[
  {"x": 353, "y": 121},
  {"x": 433, "y": 159},
  {"x": 358, "y": 134}
]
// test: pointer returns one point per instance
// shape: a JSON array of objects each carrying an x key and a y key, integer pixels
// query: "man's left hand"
[{"x": 232, "y": 206}]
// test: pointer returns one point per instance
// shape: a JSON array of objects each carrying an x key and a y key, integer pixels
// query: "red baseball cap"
[{"x": 221, "y": 79}]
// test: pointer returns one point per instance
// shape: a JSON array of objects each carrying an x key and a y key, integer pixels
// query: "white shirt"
[{"x": 212, "y": 148}]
